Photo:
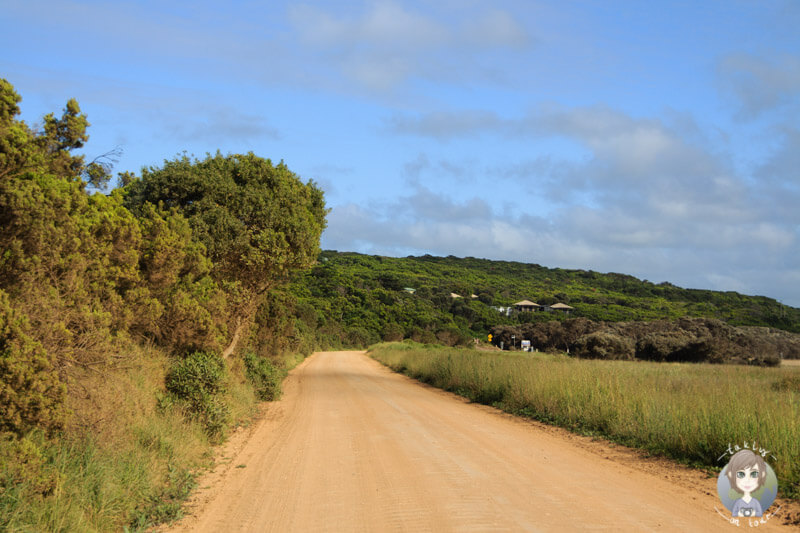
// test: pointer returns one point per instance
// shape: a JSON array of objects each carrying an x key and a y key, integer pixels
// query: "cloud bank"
[{"x": 648, "y": 197}]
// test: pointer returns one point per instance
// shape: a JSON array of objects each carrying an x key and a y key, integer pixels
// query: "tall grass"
[
  {"x": 124, "y": 464},
  {"x": 690, "y": 412}
]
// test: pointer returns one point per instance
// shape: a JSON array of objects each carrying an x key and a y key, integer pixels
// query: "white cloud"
[
  {"x": 446, "y": 125},
  {"x": 213, "y": 123},
  {"x": 385, "y": 24},
  {"x": 496, "y": 28},
  {"x": 389, "y": 43},
  {"x": 645, "y": 198},
  {"x": 760, "y": 84},
  {"x": 749, "y": 258}
]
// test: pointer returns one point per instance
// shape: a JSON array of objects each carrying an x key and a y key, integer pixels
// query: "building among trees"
[{"x": 527, "y": 305}]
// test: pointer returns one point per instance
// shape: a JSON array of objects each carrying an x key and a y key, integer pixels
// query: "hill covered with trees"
[{"x": 356, "y": 299}]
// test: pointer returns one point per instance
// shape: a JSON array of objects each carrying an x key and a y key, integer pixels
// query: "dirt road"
[{"x": 353, "y": 446}]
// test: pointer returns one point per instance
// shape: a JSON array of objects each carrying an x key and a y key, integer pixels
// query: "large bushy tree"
[{"x": 258, "y": 221}]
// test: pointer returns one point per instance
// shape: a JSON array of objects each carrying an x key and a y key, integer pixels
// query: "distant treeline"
[{"x": 351, "y": 299}]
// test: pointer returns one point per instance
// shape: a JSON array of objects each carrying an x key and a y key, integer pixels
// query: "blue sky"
[{"x": 658, "y": 139}]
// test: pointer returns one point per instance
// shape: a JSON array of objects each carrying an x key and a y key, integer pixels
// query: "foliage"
[
  {"x": 604, "y": 345},
  {"x": 70, "y": 263},
  {"x": 257, "y": 221},
  {"x": 265, "y": 376},
  {"x": 31, "y": 392},
  {"x": 352, "y": 291},
  {"x": 49, "y": 151},
  {"x": 192, "y": 312},
  {"x": 198, "y": 382},
  {"x": 87, "y": 279},
  {"x": 25, "y": 472},
  {"x": 686, "y": 339}
]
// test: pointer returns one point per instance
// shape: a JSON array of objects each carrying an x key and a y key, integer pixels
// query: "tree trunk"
[
  {"x": 235, "y": 340},
  {"x": 244, "y": 321}
]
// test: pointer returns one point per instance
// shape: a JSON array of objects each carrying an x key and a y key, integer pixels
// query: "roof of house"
[
  {"x": 527, "y": 303},
  {"x": 559, "y": 305},
  {"x": 454, "y": 295}
]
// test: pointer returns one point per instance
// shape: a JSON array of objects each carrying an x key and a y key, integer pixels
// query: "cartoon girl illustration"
[{"x": 747, "y": 472}]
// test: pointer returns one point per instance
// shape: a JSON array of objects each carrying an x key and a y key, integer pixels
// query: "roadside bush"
[
  {"x": 30, "y": 390},
  {"x": 265, "y": 377},
  {"x": 25, "y": 472},
  {"x": 602, "y": 345},
  {"x": 198, "y": 382}
]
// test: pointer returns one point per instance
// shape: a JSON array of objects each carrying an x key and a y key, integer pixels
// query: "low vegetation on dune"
[{"x": 689, "y": 412}]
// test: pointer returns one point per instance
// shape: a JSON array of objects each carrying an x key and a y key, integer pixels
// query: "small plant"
[
  {"x": 198, "y": 382},
  {"x": 25, "y": 472},
  {"x": 167, "y": 505},
  {"x": 265, "y": 376}
]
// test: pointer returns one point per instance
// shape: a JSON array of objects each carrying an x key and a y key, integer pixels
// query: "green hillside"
[{"x": 358, "y": 299}]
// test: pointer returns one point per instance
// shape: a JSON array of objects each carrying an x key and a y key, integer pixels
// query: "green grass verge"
[
  {"x": 127, "y": 462},
  {"x": 688, "y": 412}
]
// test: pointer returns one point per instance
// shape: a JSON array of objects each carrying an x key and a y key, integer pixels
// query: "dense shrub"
[
  {"x": 684, "y": 340},
  {"x": 360, "y": 337},
  {"x": 70, "y": 262},
  {"x": 25, "y": 473},
  {"x": 193, "y": 309},
  {"x": 604, "y": 345},
  {"x": 392, "y": 332},
  {"x": 451, "y": 336},
  {"x": 198, "y": 382},
  {"x": 265, "y": 377},
  {"x": 661, "y": 346},
  {"x": 31, "y": 393},
  {"x": 422, "y": 336}
]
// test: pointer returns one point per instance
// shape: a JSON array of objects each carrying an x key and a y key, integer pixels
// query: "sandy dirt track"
[{"x": 352, "y": 446}]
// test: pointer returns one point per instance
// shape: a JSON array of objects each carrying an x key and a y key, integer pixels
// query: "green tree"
[
  {"x": 50, "y": 150},
  {"x": 191, "y": 309},
  {"x": 258, "y": 221}
]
